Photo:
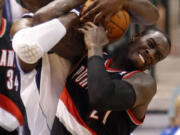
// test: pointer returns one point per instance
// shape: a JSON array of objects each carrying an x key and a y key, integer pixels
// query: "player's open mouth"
[{"x": 141, "y": 57}]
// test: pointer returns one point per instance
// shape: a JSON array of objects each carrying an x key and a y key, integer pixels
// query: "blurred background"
[{"x": 161, "y": 112}]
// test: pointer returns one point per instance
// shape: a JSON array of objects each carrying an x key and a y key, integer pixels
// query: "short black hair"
[{"x": 149, "y": 30}]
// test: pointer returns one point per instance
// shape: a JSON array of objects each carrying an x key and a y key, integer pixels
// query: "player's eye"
[{"x": 151, "y": 44}]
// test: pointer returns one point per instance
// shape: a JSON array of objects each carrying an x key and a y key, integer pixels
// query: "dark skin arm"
[
  {"x": 102, "y": 10},
  {"x": 107, "y": 88},
  {"x": 145, "y": 88},
  {"x": 61, "y": 49},
  {"x": 55, "y": 9},
  {"x": 48, "y": 9}
]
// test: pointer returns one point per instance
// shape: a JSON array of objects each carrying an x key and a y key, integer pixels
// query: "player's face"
[{"x": 149, "y": 49}]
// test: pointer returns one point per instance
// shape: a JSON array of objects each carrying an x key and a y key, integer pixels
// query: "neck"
[{"x": 121, "y": 61}]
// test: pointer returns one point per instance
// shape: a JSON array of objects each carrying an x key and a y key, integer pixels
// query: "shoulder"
[
  {"x": 144, "y": 85},
  {"x": 141, "y": 79}
]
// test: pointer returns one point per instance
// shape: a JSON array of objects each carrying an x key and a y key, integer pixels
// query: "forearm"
[
  {"x": 106, "y": 93},
  {"x": 142, "y": 11},
  {"x": 55, "y": 9}
]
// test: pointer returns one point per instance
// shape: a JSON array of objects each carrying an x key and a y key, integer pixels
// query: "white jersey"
[{"x": 40, "y": 90}]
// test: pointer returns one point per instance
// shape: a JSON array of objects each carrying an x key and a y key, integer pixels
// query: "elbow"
[
  {"x": 150, "y": 14},
  {"x": 157, "y": 15},
  {"x": 153, "y": 16}
]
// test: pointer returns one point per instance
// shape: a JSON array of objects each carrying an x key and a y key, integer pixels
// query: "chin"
[{"x": 140, "y": 67}]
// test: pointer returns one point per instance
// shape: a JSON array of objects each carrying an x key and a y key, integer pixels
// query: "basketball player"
[
  {"x": 11, "y": 107},
  {"x": 40, "y": 75},
  {"x": 109, "y": 95}
]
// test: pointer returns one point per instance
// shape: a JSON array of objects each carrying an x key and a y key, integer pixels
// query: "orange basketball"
[{"x": 118, "y": 24}]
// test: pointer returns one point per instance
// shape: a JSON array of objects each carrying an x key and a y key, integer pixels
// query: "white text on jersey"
[
  {"x": 80, "y": 77},
  {"x": 7, "y": 58}
]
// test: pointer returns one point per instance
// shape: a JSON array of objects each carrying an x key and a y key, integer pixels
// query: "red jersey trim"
[
  {"x": 8, "y": 105},
  {"x": 110, "y": 69},
  {"x": 133, "y": 118},
  {"x": 66, "y": 99},
  {"x": 130, "y": 74},
  {"x": 3, "y": 27}
]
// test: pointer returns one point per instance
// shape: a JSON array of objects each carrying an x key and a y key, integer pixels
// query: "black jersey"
[
  {"x": 11, "y": 106},
  {"x": 75, "y": 114}
]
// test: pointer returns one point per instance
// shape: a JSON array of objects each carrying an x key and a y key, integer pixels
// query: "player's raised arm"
[
  {"x": 55, "y": 9},
  {"x": 142, "y": 11},
  {"x": 45, "y": 10},
  {"x": 31, "y": 42}
]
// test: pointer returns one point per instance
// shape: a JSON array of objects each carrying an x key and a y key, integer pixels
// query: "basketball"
[{"x": 118, "y": 24}]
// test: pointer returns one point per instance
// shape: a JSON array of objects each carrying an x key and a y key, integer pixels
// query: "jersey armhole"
[
  {"x": 130, "y": 74},
  {"x": 133, "y": 118},
  {"x": 10, "y": 111}
]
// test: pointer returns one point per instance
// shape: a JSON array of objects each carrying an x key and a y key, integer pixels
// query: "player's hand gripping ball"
[{"x": 117, "y": 25}]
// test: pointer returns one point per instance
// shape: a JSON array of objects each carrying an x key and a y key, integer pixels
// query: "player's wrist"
[{"x": 95, "y": 51}]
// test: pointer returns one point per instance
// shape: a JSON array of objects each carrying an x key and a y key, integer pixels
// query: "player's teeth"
[{"x": 141, "y": 57}]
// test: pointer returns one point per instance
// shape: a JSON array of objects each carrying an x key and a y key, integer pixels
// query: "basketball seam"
[
  {"x": 125, "y": 18},
  {"x": 118, "y": 26}
]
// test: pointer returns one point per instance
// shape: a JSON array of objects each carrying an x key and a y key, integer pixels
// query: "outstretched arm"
[
  {"x": 141, "y": 11},
  {"x": 55, "y": 9},
  {"x": 36, "y": 39}
]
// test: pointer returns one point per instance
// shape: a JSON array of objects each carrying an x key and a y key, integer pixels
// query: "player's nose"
[{"x": 152, "y": 52}]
